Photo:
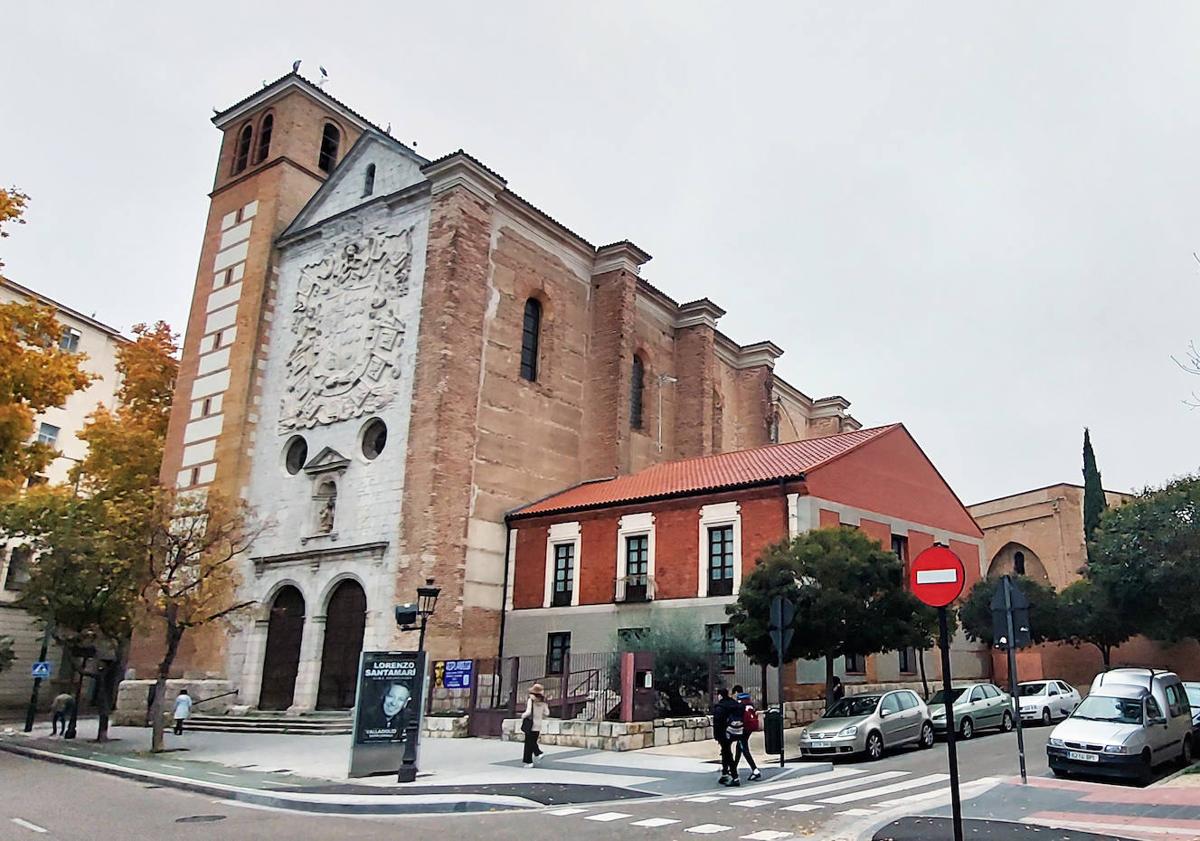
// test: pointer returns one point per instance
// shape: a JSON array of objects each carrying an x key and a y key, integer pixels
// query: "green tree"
[
  {"x": 975, "y": 612},
  {"x": 1094, "y": 501},
  {"x": 681, "y": 658},
  {"x": 1088, "y": 615},
  {"x": 849, "y": 593},
  {"x": 1146, "y": 556}
]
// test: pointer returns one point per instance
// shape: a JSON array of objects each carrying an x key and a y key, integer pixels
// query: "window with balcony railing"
[{"x": 637, "y": 585}]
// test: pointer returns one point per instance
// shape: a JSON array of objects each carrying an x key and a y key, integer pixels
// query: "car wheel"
[
  {"x": 1146, "y": 770},
  {"x": 1046, "y": 718},
  {"x": 1006, "y": 725},
  {"x": 874, "y": 746},
  {"x": 967, "y": 729},
  {"x": 1185, "y": 756},
  {"x": 926, "y": 735}
]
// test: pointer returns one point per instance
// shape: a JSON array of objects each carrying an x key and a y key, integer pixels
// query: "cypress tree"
[{"x": 1094, "y": 502}]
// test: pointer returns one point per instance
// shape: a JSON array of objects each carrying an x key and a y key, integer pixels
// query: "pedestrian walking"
[
  {"x": 183, "y": 709},
  {"x": 536, "y": 710},
  {"x": 727, "y": 729},
  {"x": 60, "y": 713},
  {"x": 839, "y": 691},
  {"x": 750, "y": 724}
]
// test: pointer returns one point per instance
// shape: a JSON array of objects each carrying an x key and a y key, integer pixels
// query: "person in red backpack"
[{"x": 749, "y": 725}]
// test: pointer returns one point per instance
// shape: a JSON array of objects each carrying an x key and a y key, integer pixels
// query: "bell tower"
[{"x": 278, "y": 146}]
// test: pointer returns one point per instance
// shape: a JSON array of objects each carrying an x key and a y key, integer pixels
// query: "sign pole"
[
  {"x": 947, "y": 693},
  {"x": 31, "y": 712},
  {"x": 782, "y": 728},
  {"x": 1012, "y": 674}
]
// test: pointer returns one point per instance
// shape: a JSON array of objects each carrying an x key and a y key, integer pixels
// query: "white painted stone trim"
[
  {"x": 719, "y": 514},
  {"x": 219, "y": 319},
  {"x": 633, "y": 525},
  {"x": 611, "y": 607},
  {"x": 211, "y": 384},
  {"x": 234, "y": 235},
  {"x": 198, "y": 430},
  {"x": 511, "y": 560},
  {"x": 197, "y": 453},
  {"x": 234, "y": 254},
  {"x": 214, "y": 361},
  {"x": 562, "y": 533},
  {"x": 854, "y": 516},
  {"x": 223, "y": 296}
]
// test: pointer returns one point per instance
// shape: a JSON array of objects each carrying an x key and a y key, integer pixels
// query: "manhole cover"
[{"x": 200, "y": 819}]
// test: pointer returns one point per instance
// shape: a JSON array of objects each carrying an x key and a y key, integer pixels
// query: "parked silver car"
[
  {"x": 1193, "y": 694},
  {"x": 1132, "y": 720},
  {"x": 1046, "y": 700},
  {"x": 977, "y": 706},
  {"x": 869, "y": 724}
]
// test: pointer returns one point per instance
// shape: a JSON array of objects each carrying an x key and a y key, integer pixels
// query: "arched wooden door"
[
  {"x": 345, "y": 621},
  {"x": 282, "y": 658}
]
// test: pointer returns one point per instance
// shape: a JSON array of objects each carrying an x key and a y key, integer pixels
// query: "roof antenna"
[
  {"x": 324, "y": 77},
  {"x": 296, "y": 66},
  {"x": 388, "y": 130}
]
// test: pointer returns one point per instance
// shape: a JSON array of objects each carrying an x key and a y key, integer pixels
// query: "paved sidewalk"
[{"x": 309, "y": 772}]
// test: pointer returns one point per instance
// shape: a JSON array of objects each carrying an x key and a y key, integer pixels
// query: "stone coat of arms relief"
[{"x": 349, "y": 336}]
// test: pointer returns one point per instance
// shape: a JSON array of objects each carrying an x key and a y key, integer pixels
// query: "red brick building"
[{"x": 613, "y": 556}]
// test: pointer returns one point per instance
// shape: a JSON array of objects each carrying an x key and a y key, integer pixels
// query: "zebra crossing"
[{"x": 844, "y": 792}]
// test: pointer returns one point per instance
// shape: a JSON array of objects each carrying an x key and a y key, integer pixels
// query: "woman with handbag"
[{"x": 536, "y": 709}]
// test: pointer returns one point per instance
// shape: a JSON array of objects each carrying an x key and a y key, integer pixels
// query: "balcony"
[{"x": 635, "y": 588}]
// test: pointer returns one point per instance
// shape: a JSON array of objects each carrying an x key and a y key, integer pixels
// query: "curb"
[{"x": 362, "y": 804}]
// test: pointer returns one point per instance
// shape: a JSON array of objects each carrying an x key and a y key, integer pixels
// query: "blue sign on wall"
[
  {"x": 457, "y": 673},
  {"x": 40, "y": 669}
]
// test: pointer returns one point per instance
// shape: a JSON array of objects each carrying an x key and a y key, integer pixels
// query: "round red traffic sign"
[{"x": 937, "y": 576}]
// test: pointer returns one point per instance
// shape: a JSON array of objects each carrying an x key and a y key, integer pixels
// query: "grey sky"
[{"x": 974, "y": 218}]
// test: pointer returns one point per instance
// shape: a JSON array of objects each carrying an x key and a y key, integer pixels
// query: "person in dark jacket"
[{"x": 727, "y": 713}]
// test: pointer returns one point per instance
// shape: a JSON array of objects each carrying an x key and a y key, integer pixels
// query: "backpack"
[{"x": 750, "y": 718}]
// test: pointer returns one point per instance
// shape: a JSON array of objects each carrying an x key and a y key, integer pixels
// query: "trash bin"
[{"x": 773, "y": 730}]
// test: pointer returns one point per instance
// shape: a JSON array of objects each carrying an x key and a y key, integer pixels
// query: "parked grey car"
[
  {"x": 869, "y": 724},
  {"x": 977, "y": 706}
]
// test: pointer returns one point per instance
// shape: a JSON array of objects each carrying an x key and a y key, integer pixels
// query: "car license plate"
[
  {"x": 1082, "y": 757},
  {"x": 822, "y": 744}
]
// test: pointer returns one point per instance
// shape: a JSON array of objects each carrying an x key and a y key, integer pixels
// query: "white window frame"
[
  {"x": 53, "y": 442},
  {"x": 563, "y": 533},
  {"x": 711, "y": 516},
  {"x": 634, "y": 525}
]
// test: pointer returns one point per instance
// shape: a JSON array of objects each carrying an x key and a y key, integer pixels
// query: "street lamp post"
[{"x": 427, "y": 597}]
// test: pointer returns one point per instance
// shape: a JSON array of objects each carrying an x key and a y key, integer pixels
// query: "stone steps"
[{"x": 327, "y": 724}]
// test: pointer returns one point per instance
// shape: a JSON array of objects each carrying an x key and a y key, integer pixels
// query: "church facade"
[{"x": 386, "y": 355}]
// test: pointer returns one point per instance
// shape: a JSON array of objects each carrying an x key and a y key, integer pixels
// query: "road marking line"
[
  {"x": 807, "y": 779},
  {"x": 801, "y": 807},
  {"x": 1124, "y": 827},
  {"x": 219, "y": 774},
  {"x": 858, "y": 813},
  {"x": 174, "y": 767},
  {"x": 750, "y": 803},
  {"x": 767, "y": 835},
  {"x": 903, "y": 785},
  {"x": 605, "y": 817},
  {"x": 30, "y": 826},
  {"x": 653, "y": 822},
  {"x": 562, "y": 813},
  {"x": 706, "y": 798},
  {"x": 839, "y": 786},
  {"x": 935, "y": 794},
  {"x": 708, "y": 829}
]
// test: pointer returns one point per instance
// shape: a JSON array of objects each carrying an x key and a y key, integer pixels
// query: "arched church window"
[
  {"x": 637, "y": 388},
  {"x": 264, "y": 138},
  {"x": 531, "y": 330},
  {"x": 295, "y": 454},
  {"x": 1019, "y": 563},
  {"x": 241, "y": 153},
  {"x": 331, "y": 138},
  {"x": 369, "y": 180}
]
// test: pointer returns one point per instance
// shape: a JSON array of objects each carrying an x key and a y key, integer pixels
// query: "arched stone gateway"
[
  {"x": 281, "y": 660},
  {"x": 1017, "y": 559},
  {"x": 346, "y": 619}
]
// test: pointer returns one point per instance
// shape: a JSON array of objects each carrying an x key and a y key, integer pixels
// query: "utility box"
[
  {"x": 773, "y": 730},
  {"x": 645, "y": 696}
]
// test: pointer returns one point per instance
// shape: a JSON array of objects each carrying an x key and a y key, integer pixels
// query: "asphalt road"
[{"x": 69, "y": 803}]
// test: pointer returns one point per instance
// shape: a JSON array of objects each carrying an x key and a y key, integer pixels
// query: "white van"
[{"x": 1133, "y": 720}]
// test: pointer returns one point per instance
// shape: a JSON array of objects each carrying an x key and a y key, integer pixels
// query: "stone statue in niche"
[
  {"x": 326, "y": 507},
  {"x": 349, "y": 335}
]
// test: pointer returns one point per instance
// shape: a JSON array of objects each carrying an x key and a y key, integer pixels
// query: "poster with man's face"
[{"x": 387, "y": 684}]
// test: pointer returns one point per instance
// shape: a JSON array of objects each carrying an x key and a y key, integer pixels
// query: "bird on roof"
[
  {"x": 324, "y": 77},
  {"x": 296, "y": 66}
]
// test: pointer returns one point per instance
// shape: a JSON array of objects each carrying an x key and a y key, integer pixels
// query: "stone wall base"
[
  {"x": 445, "y": 727},
  {"x": 133, "y": 697}
]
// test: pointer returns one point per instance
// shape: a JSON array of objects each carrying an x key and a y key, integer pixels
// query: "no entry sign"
[{"x": 937, "y": 576}]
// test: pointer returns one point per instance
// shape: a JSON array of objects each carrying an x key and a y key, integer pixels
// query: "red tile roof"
[{"x": 707, "y": 473}]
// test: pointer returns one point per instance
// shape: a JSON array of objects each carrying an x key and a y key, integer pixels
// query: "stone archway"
[
  {"x": 1018, "y": 559},
  {"x": 281, "y": 660},
  {"x": 345, "y": 623}
]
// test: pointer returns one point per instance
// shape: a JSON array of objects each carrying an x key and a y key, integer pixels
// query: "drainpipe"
[{"x": 504, "y": 587}]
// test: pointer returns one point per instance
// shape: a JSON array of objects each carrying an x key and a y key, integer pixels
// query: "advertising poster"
[
  {"x": 387, "y": 703},
  {"x": 453, "y": 674}
]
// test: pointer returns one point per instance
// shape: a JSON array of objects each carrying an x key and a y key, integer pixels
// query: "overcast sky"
[{"x": 977, "y": 219}]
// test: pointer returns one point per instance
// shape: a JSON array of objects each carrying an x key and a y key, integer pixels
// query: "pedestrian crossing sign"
[{"x": 41, "y": 668}]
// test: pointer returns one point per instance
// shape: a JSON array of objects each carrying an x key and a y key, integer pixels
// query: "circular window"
[
  {"x": 295, "y": 454},
  {"x": 374, "y": 438}
]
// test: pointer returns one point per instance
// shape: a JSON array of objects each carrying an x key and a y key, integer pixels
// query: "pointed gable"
[
  {"x": 891, "y": 473},
  {"x": 328, "y": 460},
  {"x": 396, "y": 168}
]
